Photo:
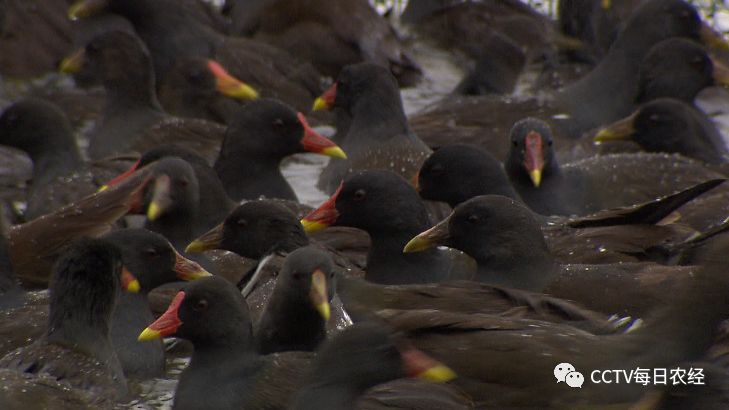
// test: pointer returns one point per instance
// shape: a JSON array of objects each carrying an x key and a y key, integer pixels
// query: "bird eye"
[
  {"x": 242, "y": 223},
  {"x": 200, "y": 305},
  {"x": 278, "y": 122},
  {"x": 549, "y": 142},
  {"x": 515, "y": 143},
  {"x": 655, "y": 117},
  {"x": 183, "y": 182},
  {"x": 359, "y": 194},
  {"x": 473, "y": 218},
  {"x": 298, "y": 275},
  {"x": 151, "y": 252}
]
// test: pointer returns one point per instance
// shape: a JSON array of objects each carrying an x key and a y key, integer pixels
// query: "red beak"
[
  {"x": 121, "y": 177},
  {"x": 325, "y": 215},
  {"x": 326, "y": 100},
  {"x": 315, "y": 142},
  {"x": 167, "y": 324}
]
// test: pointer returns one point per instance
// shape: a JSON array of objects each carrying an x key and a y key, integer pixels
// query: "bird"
[
  {"x": 202, "y": 88},
  {"x": 296, "y": 315},
  {"x": 594, "y": 183},
  {"x": 216, "y": 203},
  {"x": 458, "y": 172},
  {"x": 506, "y": 241},
  {"x": 132, "y": 117},
  {"x": 172, "y": 33},
  {"x": 151, "y": 259},
  {"x": 499, "y": 63},
  {"x": 611, "y": 88},
  {"x": 669, "y": 125},
  {"x": 496, "y": 357},
  {"x": 388, "y": 208},
  {"x": 678, "y": 68},
  {"x": 371, "y": 124},
  {"x": 32, "y": 259},
  {"x": 60, "y": 175},
  {"x": 212, "y": 314},
  {"x": 362, "y": 298},
  {"x": 330, "y": 36},
  {"x": 76, "y": 348},
  {"x": 268, "y": 232},
  {"x": 358, "y": 358},
  {"x": 262, "y": 134}
]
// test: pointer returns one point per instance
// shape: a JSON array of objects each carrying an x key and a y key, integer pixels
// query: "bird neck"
[
  {"x": 177, "y": 226},
  {"x": 247, "y": 176},
  {"x": 85, "y": 330},
  {"x": 382, "y": 118},
  {"x": 56, "y": 159},
  {"x": 132, "y": 95}
]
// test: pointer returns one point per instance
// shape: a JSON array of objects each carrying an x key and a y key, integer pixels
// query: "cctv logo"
[{"x": 565, "y": 372}]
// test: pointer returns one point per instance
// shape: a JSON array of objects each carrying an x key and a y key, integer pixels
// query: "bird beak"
[
  {"x": 720, "y": 73},
  {"x": 86, "y": 8},
  {"x": 73, "y": 63},
  {"x": 326, "y": 100},
  {"x": 121, "y": 177},
  {"x": 534, "y": 157},
  {"x": 324, "y": 216},
  {"x": 165, "y": 325},
  {"x": 129, "y": 282},
  {"x": 315, "y": 142},
  {"x": 319, "y": 295},
  {"x": 207, "y": 241},
  {"x": 621, "y": 130},
  {"x": 161, "y": 199},
  {"x": 435, "y": 236},
  {"x": 606, "y": 4},
  {"x": 188, "y": 270},
  {"x": 712, "y": 39},
  {"x": 419, "y": 365},
  {"x": 230, "y": 86}
]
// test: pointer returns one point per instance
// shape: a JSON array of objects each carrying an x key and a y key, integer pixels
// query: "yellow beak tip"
[
  {"x": 439, "y": 373},
  {"x": 195, "y": 247},
  {"x": 244, "y": 92},
  {"x": 536, "y": 177},
  {"x": 416, "y": 244},
  {"x": 319, "y": 104},
  {"x": 312, "y": 226},
  {"x": 154, "y": 211},
  {"x": 325, "y": 311},
  {"x": 103, "y": 188},
  {"x": 334, "y": 152},
  {"x": 133, "y": 286},
  {"x": 197, "y": 275},
  {"x": 148, "y": 335}
]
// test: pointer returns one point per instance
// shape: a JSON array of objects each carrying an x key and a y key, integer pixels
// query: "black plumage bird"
[
  {"x": 371, "y": 125},
  {"x": 388, "y": 208},
  {"x": 296, "y": 315},
  {"x": 506, "y": 241},
  {"x": 60, "y": 175},
  {"x": 76, "y": 348}
]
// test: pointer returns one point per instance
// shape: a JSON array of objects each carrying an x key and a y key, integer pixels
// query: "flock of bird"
[{"x": 565, "y": 203}]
